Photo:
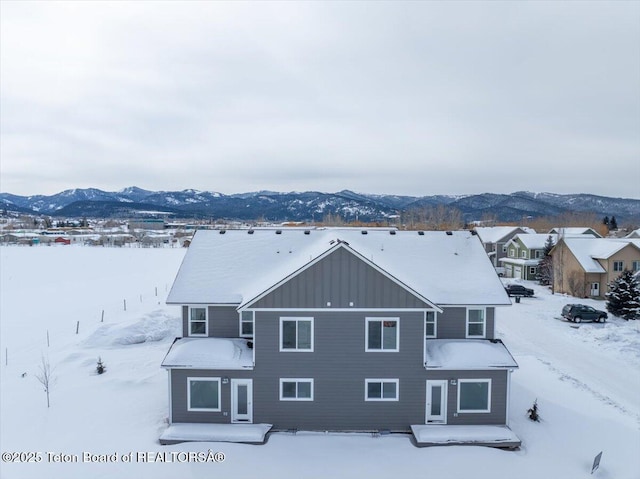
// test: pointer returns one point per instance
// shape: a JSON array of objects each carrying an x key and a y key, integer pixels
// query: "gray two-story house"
[{"x": 340, "y": 330}]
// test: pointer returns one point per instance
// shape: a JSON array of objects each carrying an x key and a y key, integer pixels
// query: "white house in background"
[{"x": 575, "y": 231}]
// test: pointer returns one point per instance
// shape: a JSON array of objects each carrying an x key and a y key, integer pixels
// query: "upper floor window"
[
  {"x": 512, "y": 253},
  {"x": 636, "y": 266},
  {"x": 504, "y": 248},
  {"x": 539, "y": 254},
  {"x": 523, "y": 253},
  {"x": 197, "y": 321},
  {"x": 246, "y": 324},
  {"x": 382, "y": 334},
  {"x": 476, "y": 323},
  {"x": 296, "y": 334},
  {"x": 618, "y": 266},
  {"x": 430, "y": 329}
]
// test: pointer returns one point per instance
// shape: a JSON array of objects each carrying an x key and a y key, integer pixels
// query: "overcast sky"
[{"x": 414, "y": 98}]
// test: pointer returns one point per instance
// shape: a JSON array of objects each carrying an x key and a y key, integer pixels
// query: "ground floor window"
[
  {"x": 203, "y": 394},
  {"x": 381, "y": 389},
  {"x": 474, "y": 395},
  {"x": 296, "y": 389}
]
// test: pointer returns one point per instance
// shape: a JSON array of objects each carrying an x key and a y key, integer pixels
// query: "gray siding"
[
  {"x": 341, "y": 279},
  {"x": 452, "y": 323},
  {"x": 339, "y": 366},
  {"x": 223, "y": 321}
]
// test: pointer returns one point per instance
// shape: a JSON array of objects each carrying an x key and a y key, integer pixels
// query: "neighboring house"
[
  {"x": 495, "y": 239},
  {"x": 524, "y": 252},
  {"x": 339, "y": 330},
  {"x": 634, "y": 234},
  {"x": 584, "y": 267},
  {"x": 575, "y": 231}
]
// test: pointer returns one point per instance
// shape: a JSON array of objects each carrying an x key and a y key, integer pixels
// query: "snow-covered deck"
[
  {"x": 445, "y": 435},
  {"x": 199, "y": 432},
  {"x": 454, "y": 354},
  {"x": 209, "y": 353}
]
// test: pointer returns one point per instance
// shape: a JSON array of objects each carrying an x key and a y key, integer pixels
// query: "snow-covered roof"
[
  {"x": 535, "y": 241},
  {"x": 493, "y": 234},
  {"x": 572, "y": 231},
  {"x": 634, "y": 234},
  {"x": 467, "y": 354},
  {"x": 587, "y": 250},
  {"x": 236, "y": 267},
  {"x": 209, "y": 353}
]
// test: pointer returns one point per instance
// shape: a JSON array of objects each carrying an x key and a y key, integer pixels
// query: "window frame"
[
  {"x": 435, "y": 324},
  {"x": 484, "y": 323},
  {"x": 382, "y": 349},
  {"x": 201, "y": 379},
  {"x": 297, "y": 349},
  {"x": 297, "y": 381},
  {"x": 618, "y": 266},
  {"x": 252, "y": 321},
  {"x": 523, "y": 254},
  {"x": 190, "y": 321},
  {"x": 382, "y": 381},
  {"x": 635, "y": 266},
  {"x": 474, "y": 411}
]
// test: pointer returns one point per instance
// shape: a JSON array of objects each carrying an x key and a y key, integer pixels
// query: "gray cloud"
[{"x": 407, "y": 98}]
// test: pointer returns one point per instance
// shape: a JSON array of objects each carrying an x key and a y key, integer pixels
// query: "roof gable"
[{"x": 341, "y": 278}]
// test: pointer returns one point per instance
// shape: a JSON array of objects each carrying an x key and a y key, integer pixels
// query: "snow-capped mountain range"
[{"x": 309, "y": 205}]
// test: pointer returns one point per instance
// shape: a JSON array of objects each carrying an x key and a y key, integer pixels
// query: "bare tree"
[{"x": 45, "y": 377}]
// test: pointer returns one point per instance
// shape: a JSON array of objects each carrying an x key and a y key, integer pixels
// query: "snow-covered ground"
[{"x": 586, "y": 380}]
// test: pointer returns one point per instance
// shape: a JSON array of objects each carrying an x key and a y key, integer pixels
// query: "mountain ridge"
[{"x": 311, "y": 205}]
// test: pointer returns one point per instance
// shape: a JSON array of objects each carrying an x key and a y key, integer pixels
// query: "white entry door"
[
  {"x": 242, "y": 400},
  {"x": 595, "y": 289},
  {"x": 436, "y": 401}
]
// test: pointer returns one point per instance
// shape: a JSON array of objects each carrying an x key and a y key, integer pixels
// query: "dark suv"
[
  {"x": 518, "y": 290},
  {"x": 580, "y": 312}
]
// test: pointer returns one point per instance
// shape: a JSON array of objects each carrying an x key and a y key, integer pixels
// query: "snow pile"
[{"x": 155, "y": 326}]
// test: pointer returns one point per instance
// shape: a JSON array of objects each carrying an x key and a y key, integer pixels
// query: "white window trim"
[
  {"x": 523, "y": 254},
  {"x": 435, "y": 324},
  {"x": 532, "y": 270},
  {"x": 381, "y": 381},
  {"x": 296, "y": 380},
  {"x": 484, "y": 323},
  {"x": 297, "y": 319},
  {"x": 635, "y": 265},
  {"x": 472, "y": 411},
  {"x": 192, "y": 379},
  {"x": 381, "y": 350},
  {"x": 206, "y": 321},
  {"x": 253, "y": 322},
  {"x": 621, "y": 269}
]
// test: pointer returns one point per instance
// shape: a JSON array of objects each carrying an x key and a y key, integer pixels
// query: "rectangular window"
[
  {"x": 539, "y": 254},
  {"x": 618, "y": 266},
  {"x": 476, "y": 324},
  {"x": 636, "y": 266},
  {"x": 430, "y": 330},
  {"x": 381, "y": 389},
  {"x": 382, "y": 334},
  {"x": 246, "y": 324},
  {"x": 532, "y": 270},
  {"x": 296, "y": 389},
  {"x": 296, "y": 334},
  {"x": 523, "y": 254},
  {"x": 512, "y": 253},
  {"x": 203, "y": 394},
  {"x": 474, "y": 395},
  {"x": 197, "y": 321}
]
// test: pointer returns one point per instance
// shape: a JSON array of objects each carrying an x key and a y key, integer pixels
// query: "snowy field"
[{"x": 586, "y": 380}]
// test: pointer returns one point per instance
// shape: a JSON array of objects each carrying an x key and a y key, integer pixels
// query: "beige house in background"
[{"x": 584, "y": 267}]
